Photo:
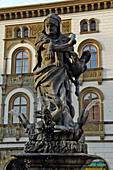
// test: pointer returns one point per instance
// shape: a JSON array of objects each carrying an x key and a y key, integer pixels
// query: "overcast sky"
[{"x": 8, "y": 3}]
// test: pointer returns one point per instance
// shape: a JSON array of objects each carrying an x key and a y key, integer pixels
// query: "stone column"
[
  {"x": 44, "y": 12},
  {"x": 56, "y": 11},
  {"x": 86, "y": 7},
  {"x": 33, "y": 13},
  {"x": 62, "y": 10},
  {"x": 38, "y": 13},
  {"x": 16, "y": 15},
  {"x": 98, "y": 5},
  {"x": 21, "y": 14},
  {"x": 80, "y": 8},
  {"x": 5, "y": 17},
  {"x": 105, "y": 4},
  {"x": 74, "y": 10},
  {"x": 68, "y": 9},
  {"x": 27, "y": 14},
  {"x": 10, "y": 15},
  {"x": 50, "y": 11},
  {"x": 92, "y": 6},
  {"x": 111, "y": 5}
]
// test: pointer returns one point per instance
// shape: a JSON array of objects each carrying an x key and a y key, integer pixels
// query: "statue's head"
[{"x": 52, "y": 24}]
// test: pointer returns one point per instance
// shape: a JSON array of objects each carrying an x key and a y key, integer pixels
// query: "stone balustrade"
[{"x": 63, "y": 9}]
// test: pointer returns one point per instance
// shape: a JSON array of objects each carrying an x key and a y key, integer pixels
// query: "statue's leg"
[{"x": 67, "y": 119}]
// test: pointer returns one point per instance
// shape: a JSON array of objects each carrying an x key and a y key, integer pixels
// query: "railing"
[{"x": 58, "y": 8}]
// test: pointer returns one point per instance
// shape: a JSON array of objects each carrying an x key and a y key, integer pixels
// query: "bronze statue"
[{"x": 57, "y": 66}]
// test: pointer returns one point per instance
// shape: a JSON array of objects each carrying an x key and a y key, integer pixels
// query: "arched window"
[
  {"x": 94, "y": 112},
  {"x": 20, "y": 104},
  {"x": 18, "y": 33},
  {"x": 25, "y": 33},
  {"x": 85, "y": 27},
  {"x": 93, "y": 26},
  {"x": 93, "y": 63},
  {"x": 22, "y": 61}
]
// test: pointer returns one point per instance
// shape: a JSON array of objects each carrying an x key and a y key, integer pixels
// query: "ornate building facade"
[{"x": 91, "y": 22}]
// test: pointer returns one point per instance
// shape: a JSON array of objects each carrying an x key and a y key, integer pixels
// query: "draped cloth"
[{"x": 51, "y": 79}]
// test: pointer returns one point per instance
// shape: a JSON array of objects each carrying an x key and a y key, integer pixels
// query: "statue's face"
[{"x": 51, "y": 29}]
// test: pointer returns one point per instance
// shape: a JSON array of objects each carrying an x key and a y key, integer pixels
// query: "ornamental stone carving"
[
  {"x": 36, "y": 29},
  {"x": 9, "y": 32}
]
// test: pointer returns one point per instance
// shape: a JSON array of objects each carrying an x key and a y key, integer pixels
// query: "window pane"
[
  {"x": 18, "y": 69},
  {"x": 85, "y": 27},
  {"x": 93, "y": 49},
  {"x": 95, "y": 112},
  {"x": 93, "y": 64},
  {"x": 25, "y": 63},
  {"x": 15, "y": 117},
  {"x": 86, "y": 48},
  {"x": 87, "y": 97},
  {"x": 18, "y": 63},
  {"x": 19, "y": 55},
  {"x": 25, "y": 70},
  {"x": 93, "y": 26},
  {"x": 19, "y": 34},
  {"x": 93, "y": 57},
  {"x": 16, "y": 108},
  {"x": 94, "y": 96},
  {"x": 17, "y": 101},
  {"x": 25, "y": 55},
  {"x": 26, "y": 33},
  {"x": 23, "y": 109},
  {"x": 23, "y": 100}
]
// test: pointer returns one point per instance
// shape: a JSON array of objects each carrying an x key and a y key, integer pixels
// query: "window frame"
[
  {"x": 24, "y": 34},
  {"x": 85, "y": 25},
  {"x": 13, "y": 63},
  {"x": 90, "y": 44},
  {"x": 17, "y": 32},
  {"x": 84, "y": 21},
  {"x": 94, "y": 29},
  {"x": 22, "y": 59},
  {"x": 27, "y": 105},
  {"x": 91, "y": 111},
  {"x": 92, "y": 128}
]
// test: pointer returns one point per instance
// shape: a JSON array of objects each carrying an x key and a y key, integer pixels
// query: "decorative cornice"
[{"x": 64, "y": 7}]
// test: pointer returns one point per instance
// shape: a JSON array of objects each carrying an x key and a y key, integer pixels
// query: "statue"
[{"x": 57, "y": 66}]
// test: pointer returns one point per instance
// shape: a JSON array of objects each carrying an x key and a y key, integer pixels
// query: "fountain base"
[{"x": 51, "y": 161}]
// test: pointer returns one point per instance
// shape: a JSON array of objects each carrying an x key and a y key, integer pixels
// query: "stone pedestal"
[{"x": 51, "y": 161}]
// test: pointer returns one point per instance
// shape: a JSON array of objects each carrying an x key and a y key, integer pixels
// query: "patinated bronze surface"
[{"x": 57, "y": 67}]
